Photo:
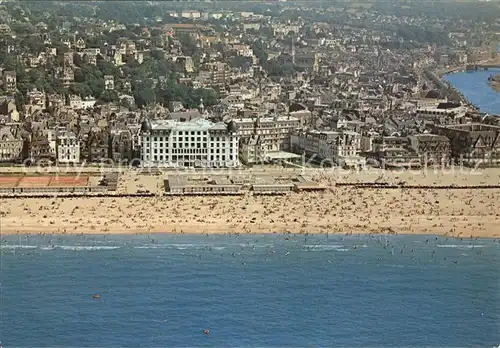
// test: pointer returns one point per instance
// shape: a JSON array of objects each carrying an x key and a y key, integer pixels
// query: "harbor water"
[
  {"x": 249, "y": 290},
  {"x": 474, "y": 86}
]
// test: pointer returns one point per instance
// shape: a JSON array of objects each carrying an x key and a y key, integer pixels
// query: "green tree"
[
  {"x": 189, "y": 46},
  {"x": 109, "y": 96}
]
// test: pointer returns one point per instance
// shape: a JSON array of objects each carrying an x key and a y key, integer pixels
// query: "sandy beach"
[{"x": 340, "y": 209}]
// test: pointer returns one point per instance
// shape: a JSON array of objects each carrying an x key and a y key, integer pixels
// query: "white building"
[
  {"x": 77, "y": 103},
  {"x": 68, "y": 148},
  {"x": 342, "y": 148},
  {"x": 197, "y": 143},
  {"x": 191, "y": 14},
  {"x": 433, "y": 113}
]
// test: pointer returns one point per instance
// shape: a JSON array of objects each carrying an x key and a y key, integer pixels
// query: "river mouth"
[{"x": 476, "y": 87}]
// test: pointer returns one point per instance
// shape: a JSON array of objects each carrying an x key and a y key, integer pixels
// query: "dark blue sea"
[
  {"x": 249, "y": 290},
  {"x": 474, "y": 85}
]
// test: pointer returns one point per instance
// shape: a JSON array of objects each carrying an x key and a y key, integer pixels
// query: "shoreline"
[{"x": 474, "y": 236}]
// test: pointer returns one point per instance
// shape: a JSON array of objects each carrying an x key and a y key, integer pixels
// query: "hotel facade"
[
  {"x": 264, "y": 137},
  {"x": 342, "y": 148},
  {"x": 194, "y": 144}
]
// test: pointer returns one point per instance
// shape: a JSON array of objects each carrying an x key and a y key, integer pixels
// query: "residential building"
[
  {"x": 11, "y": 144},
  {"x": 303, "y": 61},
  {"x": 9, "y": 81},
  {"x": 67, "y": 59},
  {"x": 68, "y": 148},
  {"x": 39, "y": 147},
  {"x": 328, "y": 147},
  {"x": 184, "y": 63},
  {"x": 274, "y": 131},
  {"x": 432, "y": 148},
  {"x": 474, "y": 144},
  {"x": 67, "y": 76},
  {"x": 35, "y": 100},
  {"x": 8, "y": 107},
  {"x": 218, "y": 74},
  {"x": 191, "y": 14},
  {"x": 395, "y": 152},
  {"x": 252, "y": 150},
  {"x": 196, "y": 143},
  {"x": 109, "y": 82},
  {"x": 77, "y": 103},
  {"x": 251, "y": 26}
]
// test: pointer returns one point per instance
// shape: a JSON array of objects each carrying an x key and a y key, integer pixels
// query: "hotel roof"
[
  {"x": 266, "y": 119},
  {"x": 196, "y": 124}
]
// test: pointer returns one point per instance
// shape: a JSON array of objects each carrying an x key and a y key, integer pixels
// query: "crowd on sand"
[{"x": 339, "y": 209}]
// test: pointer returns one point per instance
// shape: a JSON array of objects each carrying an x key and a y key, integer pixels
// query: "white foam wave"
[
  {"x": 178, "y": 246},
  {"x": 85, "y": 248},
  {"x": 342, "y": 249},
  {"x": 18, "y": 246},
  {"x": 473, "y": 246},
  {"x": 171, "y": 246},
  {"x": 323, "y": 247}
]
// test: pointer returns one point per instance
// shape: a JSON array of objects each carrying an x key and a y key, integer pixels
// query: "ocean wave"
[
  {"x": 15, "y": 246},
  {"x": 179, "y": 246},
  {"x": 473, "y": 246},
  {"x": 85, "y": 247},
  {"x": 172, "y": 246},
  {"x": 323, "y": 247}
]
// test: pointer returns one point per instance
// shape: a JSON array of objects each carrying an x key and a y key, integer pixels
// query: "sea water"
[
  {"x": 474, "y": 85},
  {"x": 249, "y": 290}
]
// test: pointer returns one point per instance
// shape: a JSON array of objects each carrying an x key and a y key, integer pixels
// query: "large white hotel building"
[{"x": 198, "y": 143}]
